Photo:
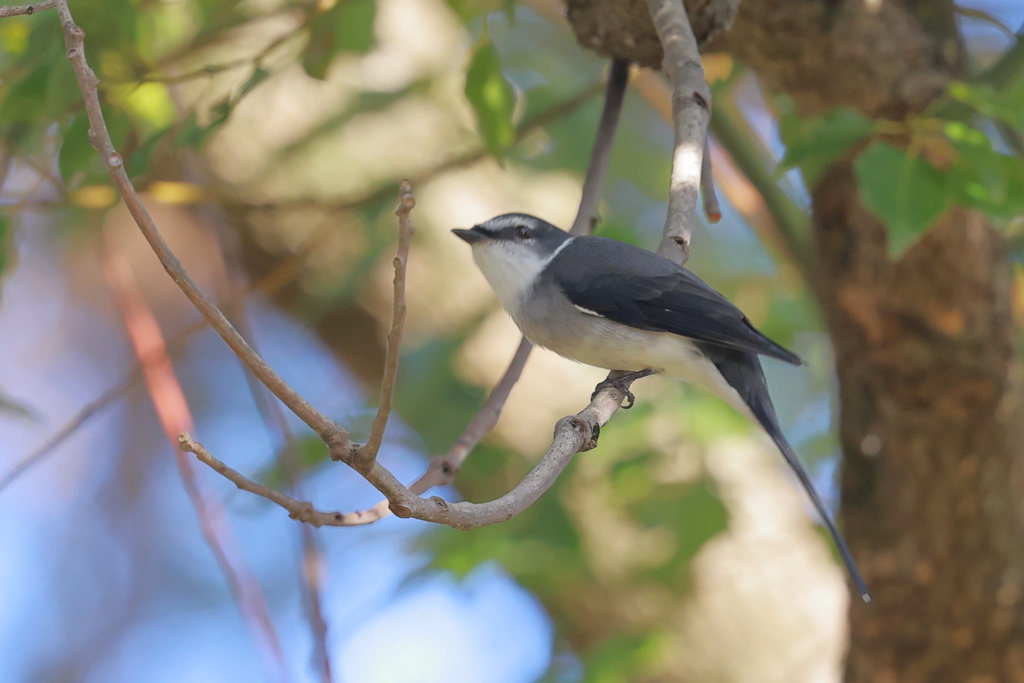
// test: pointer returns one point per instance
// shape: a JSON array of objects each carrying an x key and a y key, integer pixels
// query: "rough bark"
[
  {"x": 623, "y": 28},
  {"x": 930, "y": 416},
  {"x": 930, "y": 429}
]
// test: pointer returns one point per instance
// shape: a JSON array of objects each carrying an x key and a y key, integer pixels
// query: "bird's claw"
[
  {"x": 622, "y": 384},
  {"x": 629, "y": 399}
]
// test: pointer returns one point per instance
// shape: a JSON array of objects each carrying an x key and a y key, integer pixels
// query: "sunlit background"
[{"x": 679, "y": 538}]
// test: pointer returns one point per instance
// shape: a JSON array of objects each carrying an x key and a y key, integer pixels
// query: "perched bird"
[{"x": 614, "y": 305}]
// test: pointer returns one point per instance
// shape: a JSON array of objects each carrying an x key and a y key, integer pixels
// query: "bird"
[{"x": 614, "y": 305}]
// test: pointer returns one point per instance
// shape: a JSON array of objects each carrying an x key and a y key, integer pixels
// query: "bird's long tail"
[
  {"x": 742, "y": 370},
  {"x": 844, "y": 551}
]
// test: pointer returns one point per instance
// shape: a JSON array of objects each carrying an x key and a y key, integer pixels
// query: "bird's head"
[{"x": 512, "y": 250}]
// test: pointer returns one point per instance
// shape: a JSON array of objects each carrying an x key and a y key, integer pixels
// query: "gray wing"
[{"x": 635, "y": 287}]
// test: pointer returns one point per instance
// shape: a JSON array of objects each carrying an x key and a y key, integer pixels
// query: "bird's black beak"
[{"x": 469, "y": 236}]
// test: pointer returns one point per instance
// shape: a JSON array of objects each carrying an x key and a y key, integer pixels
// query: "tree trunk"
[
  {"x": 931, "y": 418},
  {"x": 930, "y": 429}
]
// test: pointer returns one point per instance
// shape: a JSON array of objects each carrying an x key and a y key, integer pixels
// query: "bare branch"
[
  {"x": 83, "y": 415},
  {"x": 16, "y": 10},
  {"x": 443, "y": 468},
  {"x": 369, "y": 451},
  {"x": 593, "y": 184},
  {"x": 329, "y": 431},
  {"x": 691, "y": 112},
  {"x": 572, "y": 434}
]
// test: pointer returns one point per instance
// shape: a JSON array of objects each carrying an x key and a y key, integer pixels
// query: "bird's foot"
[{"x": 622, "y": 383}]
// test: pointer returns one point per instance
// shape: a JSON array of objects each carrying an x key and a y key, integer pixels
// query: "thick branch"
[
  {"x": 691, "y": 112},
  {"x": 74, "y": 38}
]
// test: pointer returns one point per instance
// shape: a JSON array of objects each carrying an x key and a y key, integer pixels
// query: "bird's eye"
[{"x": 523, "y": 232}]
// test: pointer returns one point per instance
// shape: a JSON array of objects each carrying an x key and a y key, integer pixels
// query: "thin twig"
[
  {"x": 366, "y": 453},
  {"x": 253, "y": 61},
  {"x": 443, "y": 468},
  {"x": 593, "y": 184},
  {"x": 16, "y": 10},
  {"x": 691, "y": 112},
  {"x": 775, "y": 217},
  {"x": 83, "y": 415},
  {"x": 329, "y": 431},
  {"x": 572, "y": 435},
  {"x": 707, "y": 186}
]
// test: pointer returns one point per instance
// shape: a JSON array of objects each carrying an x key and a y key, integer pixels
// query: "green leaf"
[
  {"x": 812, "y": 144},
  {"x": 192, "y": 135},
  {"x": 1002, "y": 105},
  {"x": 345, "y": 27},
  {"x": 258, "y": 76},
  {"x": 905, "y": 192},
  {"x": 983, "y": 178},
  {"x": 492, "y": 98},
  {"x": 294, "y": 462}
]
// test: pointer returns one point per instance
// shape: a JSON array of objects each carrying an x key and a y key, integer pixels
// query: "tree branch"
[
  {"x": 691, "y": 112},
  {"x": 572, "y": 435},
  {"x": 593, "y": 184},
  {"x": 329, "y": 431},
  {"x": 368, "y": 452},
  {"x": 16, "y": 10}
]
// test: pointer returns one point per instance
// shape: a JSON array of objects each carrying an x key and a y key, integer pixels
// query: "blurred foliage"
[
  {"x": 916, "y": 169},
  {"x": 175, "y": 78},
  {"x": 491, "y": 96}
]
